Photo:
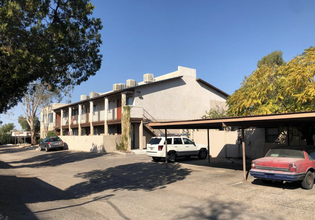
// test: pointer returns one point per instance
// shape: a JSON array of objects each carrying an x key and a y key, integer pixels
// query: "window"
[
  {"x": 187, "y": 141},
  {"x": 289, "y": 153},
  {"x": 50, "y": 116},
  {"x": 271, "y": 134},
  {"x": 95, "y": 109},
  {"x": 75, "y": 112},
  {"x": 169, "y": 140},
  {"x": 311, "y": 154},
  {"x": 130, "y": 101},
  {"x": 155, "y": 141},
  {"x": 178, "y": 141}
]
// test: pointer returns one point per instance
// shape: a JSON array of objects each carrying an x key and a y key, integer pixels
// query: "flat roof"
[{"x": 258, "y": 121}]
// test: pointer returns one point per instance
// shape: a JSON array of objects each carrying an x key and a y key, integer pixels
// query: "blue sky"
[{"x": 221, "y": 39}]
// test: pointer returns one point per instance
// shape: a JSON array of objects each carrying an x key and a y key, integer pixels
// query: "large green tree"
[
  {"x": 278, "y": 87},
  {"x": 51, "y": 41},
  {"x": 7, "y": 127}
]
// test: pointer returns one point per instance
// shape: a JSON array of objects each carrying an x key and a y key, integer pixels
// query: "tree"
[
  {"x": 278, "y": 87},
  {"x": 7, "y": 127},
  {"x": 48, "y": 41},
  {"x": 215, "y": 113},
  {"x": 25, "y": 126},
  {"x": 34, "y": 99}
]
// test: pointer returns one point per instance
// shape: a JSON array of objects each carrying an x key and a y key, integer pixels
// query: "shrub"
[
  {"x": 51, "y": 133},
  {"x": 5, "y": 138},
  {"x": 39, "y": 140}
]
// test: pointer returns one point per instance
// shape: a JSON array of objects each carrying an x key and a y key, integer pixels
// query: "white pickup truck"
[{"x": 176, "y": 147}]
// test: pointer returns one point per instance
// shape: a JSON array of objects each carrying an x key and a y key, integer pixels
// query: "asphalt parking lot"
[{"x": 79, "y": 185}]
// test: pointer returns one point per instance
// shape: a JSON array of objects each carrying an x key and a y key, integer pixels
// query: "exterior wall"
[
  {"x": 45, "y": 125},
  {"x": 97, "y": 143},
  {"x": 189, "y": 98},
  {"x": 222, "y": 143}
]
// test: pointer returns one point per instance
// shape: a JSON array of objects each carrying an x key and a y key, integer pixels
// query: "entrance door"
[{"x": 118, "y": 108}]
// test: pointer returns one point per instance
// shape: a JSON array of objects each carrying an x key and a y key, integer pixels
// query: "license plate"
[{"x": 151, "y": 148}]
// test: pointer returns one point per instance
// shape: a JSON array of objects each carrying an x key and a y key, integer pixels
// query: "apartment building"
[{"x": 178, "y": 95}]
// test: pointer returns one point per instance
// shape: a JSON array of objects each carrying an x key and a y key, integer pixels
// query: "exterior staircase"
[{"x": 147, "y": 118}]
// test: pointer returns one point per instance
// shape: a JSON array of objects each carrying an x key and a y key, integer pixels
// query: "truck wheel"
[
  {"x": 171, "y": 157},
  {"x": 156, "y": 159},
  {"x": 202, "y": 154},
  {"x": 308, "y": 181}
]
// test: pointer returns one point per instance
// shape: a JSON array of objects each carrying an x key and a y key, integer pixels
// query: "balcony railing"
[
  {"x": 74, "y": 119},
  {"x": 135, "y": 112},
  {"x": 83, "y": 118}
]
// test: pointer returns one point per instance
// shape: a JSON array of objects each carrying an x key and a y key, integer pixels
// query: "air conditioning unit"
[
  {"x": 84, "y": 97},
  {"x": 116, "y": 87},
  {"x": 131, "y": 83},
  {"x": 122, "y": 85},
  {"x": 93, "y": 94},
  {"x": 148, "y": 77}
]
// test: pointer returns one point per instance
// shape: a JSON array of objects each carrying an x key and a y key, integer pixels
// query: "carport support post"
[
  {"x": 244, "y": 155},
  {"x": 208, "y": 137},
  {"x": 165, "y": 147}
]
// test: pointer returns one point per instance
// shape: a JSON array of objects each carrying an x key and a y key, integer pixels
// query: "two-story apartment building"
[{"x": 178, "y": 95}]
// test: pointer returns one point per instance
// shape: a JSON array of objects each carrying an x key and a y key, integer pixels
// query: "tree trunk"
[{"x": 33, "y": 135}]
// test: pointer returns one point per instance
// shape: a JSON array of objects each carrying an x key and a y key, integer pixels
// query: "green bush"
[
  {"x": 51, "y": 133},
  {"x": 39, "y": 140},
  {"x": 5, "y": 138}
]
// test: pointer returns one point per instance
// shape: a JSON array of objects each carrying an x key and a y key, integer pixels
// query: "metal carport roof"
[{"x": 257, "y": 121}]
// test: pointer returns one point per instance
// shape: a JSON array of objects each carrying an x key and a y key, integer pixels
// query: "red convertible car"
[{"x": 287, "y": 163}]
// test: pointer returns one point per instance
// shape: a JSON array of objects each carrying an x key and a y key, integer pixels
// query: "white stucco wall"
[{"x": 96, "y": 143}]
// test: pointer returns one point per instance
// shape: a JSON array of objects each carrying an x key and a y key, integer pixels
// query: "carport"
[{"x": 259, "y": 121}]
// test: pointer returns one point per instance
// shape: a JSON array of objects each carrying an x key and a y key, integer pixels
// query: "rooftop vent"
[
  {"x": 131, "y": 83},
  {"x": 116, "y": 87},
  {"x": 122, "y": 85},
  {"x": 94, "y": 94},
  {"x": 148, "y": 77},
  {"x": 84, "y": 97}
]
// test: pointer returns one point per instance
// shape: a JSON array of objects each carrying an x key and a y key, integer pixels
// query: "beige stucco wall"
[
  {"x": 178, "y": 99},
  {"x": 222, "y": 143},
  {"x": 96, "y": 143}
]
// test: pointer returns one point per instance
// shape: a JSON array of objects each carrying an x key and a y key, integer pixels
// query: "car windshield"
[
  {"x": 155, "y": 141},
  {"x": 55, "y": 139},
  {"x": 291, "y": 153}
]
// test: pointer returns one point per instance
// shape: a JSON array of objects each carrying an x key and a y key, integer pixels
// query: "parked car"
[
  {"x": 287, "y": 163},
  {"x": 51, "y": 143},
  {"x": 177, "y": 146}
]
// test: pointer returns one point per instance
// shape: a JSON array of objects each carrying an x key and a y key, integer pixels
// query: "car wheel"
[
  {"x": 156, "y": 159},
  {"x": 308, "y": 181},
  {"x": 46, "y": 149},
  {"x": 202, "y": 154},
  {"x": 171, "y": 157}
]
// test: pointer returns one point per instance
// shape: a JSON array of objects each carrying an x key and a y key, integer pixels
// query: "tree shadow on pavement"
[
  {"x": 218, "y": 209},
  {"x": 52, "y": 159},
  {"x": 137, "y": 176},
  {"x": 226, "y": 163},
  {"x": 9, "y": 149}
]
